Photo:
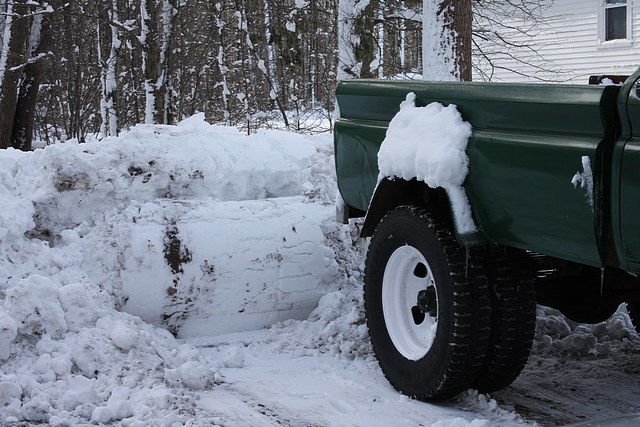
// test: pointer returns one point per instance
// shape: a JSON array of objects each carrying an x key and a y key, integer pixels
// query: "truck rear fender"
[{"x": 391, "y": 193}]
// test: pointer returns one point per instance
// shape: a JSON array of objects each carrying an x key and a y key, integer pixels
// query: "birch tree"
[
  {"x": 262, "y": 66},
  {"x": 245, "y": 63},
  {"x": 156, "y": 25},
  {"x": 221, "y": 60},
  {"x": 109, "y": 43}
]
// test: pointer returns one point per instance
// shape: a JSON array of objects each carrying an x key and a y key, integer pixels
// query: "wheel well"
[{"x": 392, "y": 193}]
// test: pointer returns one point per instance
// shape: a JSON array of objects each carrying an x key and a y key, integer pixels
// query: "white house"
[{"x": 576, "y": 39}]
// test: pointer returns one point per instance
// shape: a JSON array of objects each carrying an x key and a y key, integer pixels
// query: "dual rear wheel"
[{"x": 441, "y": 318}]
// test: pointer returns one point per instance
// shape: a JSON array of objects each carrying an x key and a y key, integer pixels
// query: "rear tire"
[
  {"x": 513, "y": 323},
  {"x": 427, "y": 305}
]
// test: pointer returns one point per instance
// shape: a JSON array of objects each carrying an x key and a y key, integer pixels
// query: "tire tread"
[
  {"x": 511, "y": 279},
  {"x": 472, "y": 317}
]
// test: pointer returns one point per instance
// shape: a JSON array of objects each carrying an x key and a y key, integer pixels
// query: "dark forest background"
[{"x": 75, "y": 68}]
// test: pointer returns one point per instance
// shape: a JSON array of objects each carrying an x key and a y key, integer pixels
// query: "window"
[{"x": 615, "y": 19}]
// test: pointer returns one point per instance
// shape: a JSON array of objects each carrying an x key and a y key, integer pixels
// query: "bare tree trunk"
[
  {"x": 460, "y": 16},
  {"x": 40, "y": 41},
  {"x": 72, "y": 47},
  {"x": 266, "y": 67},
  {"x": 246, "y": 62},
  {"x": 108, "y": 77},
  {"x": 150, "y": 39},
  {"x": 169, "y": 12},
  {"x": 12, "y": 61},
  {"x": 447, "y": 39},
  {"x": 366, "y": 50},
  {"x": 156, "y": 32},
  {"x": 222, "y": 66},
  {"x": 356, "y": 41}
]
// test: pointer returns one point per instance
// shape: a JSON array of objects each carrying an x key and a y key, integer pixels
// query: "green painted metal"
[
  {"x": 356, "y": 156},
  {"x": 626, "y": 185},
  {"x": 527, "y": 145}
]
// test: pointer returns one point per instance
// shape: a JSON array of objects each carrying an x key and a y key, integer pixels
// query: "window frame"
[{"x": 603, "y": 6}]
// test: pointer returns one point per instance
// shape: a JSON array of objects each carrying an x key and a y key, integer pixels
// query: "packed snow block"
[{"x": 205, "y": 268}]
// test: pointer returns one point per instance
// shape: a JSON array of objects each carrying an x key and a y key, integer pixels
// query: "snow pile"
[
  {"x": 70, "y": 357},
  {"x": 429, "y": 143},
  {"x": 198, "y": 228},
  {"x": 337, "y": 326},
  {"x": 190, "y": 161},
  {"x": 171, "y": 221},
  {"x": 557, "y": 335}
]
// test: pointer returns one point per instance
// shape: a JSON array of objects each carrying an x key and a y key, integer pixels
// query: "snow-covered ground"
[{"x": 111, "y": 249}]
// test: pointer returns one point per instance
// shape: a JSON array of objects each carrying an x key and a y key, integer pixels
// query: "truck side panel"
[
  {"x": 527, "y": 146},
  {"x": 630, "y": 204},
  {"x": 356, "y": 152},
  {"x": 627, "y": 162},
  {"x": 521, "y": 192}
]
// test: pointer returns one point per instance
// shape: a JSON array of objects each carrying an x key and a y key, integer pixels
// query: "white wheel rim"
[{"x": 412, "y": 328}]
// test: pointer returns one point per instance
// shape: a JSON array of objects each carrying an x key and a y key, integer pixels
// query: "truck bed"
[{"x": 529, "y": 141}]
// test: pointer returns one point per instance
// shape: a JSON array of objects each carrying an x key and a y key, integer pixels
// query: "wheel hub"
[
  {"x": 427, "y": 302},
  {"x": 409, "y": 302}
]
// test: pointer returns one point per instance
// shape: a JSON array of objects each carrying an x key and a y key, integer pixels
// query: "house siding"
[{"x": 569, "y": 47}]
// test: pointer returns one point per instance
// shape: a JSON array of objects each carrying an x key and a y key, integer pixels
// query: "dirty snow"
[
  {"x": 229, "y": 242},
  {"x": 429, "y": 143}
]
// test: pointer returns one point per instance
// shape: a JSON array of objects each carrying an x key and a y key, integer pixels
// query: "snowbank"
[
  {"x": 74, "y": 358},
  {"x": 178, "y": 223},
  {"x": 197, "y": 229}
]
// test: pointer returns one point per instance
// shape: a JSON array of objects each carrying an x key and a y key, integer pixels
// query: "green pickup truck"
[{"x": 553, "y": 185}]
